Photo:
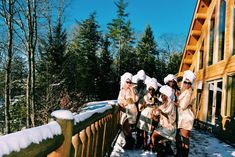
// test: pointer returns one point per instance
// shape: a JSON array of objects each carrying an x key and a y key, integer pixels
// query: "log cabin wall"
[{"x": 210, "y": 52}]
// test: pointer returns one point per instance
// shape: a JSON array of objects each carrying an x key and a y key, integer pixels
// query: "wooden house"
[{"x": 210, "y": 53}]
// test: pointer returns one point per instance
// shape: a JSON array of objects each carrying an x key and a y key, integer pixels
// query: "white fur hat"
[
  {"x": 153, "y": 84},
  {"x": 126, "y": 76},
  {"x": 158, "y": 84},
  {"x": 167, "y": 91},
  {"x": 169, "y": 77},
  {"x": 188, "y": 74},
  {"x": 135, "y": 78},
  {"x": 141, "y": 75}
]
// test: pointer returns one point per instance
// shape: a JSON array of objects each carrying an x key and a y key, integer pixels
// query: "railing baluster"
[
  {"x": 77, "y": 143},
  {"x": 89, "y": 141},
  {"x": 96, "y": 138},
  {"x": 104, "y": 135},
  {"x": 93, "y": 132},
  {"x": 83, "y": 138}
]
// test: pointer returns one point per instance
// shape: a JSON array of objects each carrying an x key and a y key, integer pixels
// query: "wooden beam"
[
  {"x": 187, "y": 61},
  {"x": 191, "y": 48},
  {"x": 195, "y": 32},
  {"x": 201, "y": 16}
]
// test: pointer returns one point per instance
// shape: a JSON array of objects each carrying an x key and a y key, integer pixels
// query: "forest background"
[{"x": 44, "y": 67}]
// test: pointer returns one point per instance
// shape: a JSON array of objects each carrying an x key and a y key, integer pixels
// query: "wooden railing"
[{"x": 89, "y": 138}]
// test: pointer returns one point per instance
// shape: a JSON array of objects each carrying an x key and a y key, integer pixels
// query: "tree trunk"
[
  {"x": 31, "y": 46},
  {"x": 8, "y": 68}
]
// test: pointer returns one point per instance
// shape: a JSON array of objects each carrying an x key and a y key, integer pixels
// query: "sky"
[{"x": 164, "y": 16}]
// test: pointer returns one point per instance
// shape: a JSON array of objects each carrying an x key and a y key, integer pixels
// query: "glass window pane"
[
  {"x": 233, "y": 31},
  {"x": 231, "y": 96},
  {"x": 201, "y": 56},
  {"x": 221, "y": 30},
  {"x": 211, "y": 46},
  {"x": 210, "y": 102},
  {"x": 218, "y": 102}
]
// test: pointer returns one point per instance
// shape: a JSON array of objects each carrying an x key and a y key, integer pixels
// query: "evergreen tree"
[
  {"x": 105, "y": 82},
  {"x": 147, "y": 52},
  {"x": 50, "y": 78},
  {"x": 122, "y": 39},
  {"x": 174, "y": 63},
  {"x": 84, "y": 46}
]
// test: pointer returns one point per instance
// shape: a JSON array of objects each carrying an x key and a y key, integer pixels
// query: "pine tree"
[
  {"x": 84, "y": 46},
  {"x": 174, "y": 63},
  {"x": 147, "y": 52},
  {"x": 50, "y": 78},
  {"x": 105, "y": 82},
  {"x": 122, "y": 39}
]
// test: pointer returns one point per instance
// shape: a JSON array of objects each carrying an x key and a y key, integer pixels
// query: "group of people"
[{"x": 162, "y": 112}]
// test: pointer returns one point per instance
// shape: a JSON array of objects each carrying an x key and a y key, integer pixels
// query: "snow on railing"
[
  {"x": 91, "y": 108},
  {"x": 95, "y": 119},
  {"x": 22, "y": 139}
]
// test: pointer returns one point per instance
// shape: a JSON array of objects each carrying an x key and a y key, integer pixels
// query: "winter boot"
[{"x": 185, "y": 147}]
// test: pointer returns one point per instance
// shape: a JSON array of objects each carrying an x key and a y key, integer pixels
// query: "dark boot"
[
  {"x": 160, "y": 150},
  {"x": 185, "y": 147},
  {"x": 168, "y": 148},
  {"x": 178, "y": 145},
  {"x": 130, "y": 142},
  {"x": 139, "y": 138}
]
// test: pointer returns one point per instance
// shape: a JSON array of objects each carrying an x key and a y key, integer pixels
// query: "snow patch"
[
  {"x": 90, "y": 110},
  {"x": 22, "y": 139},
  {"x": 108, "y": 102},
  {"x": 62, "y": 114},
  {"x": 233, "y": 153}
]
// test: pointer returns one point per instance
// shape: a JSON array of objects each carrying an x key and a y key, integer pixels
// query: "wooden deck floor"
[{"x": 201, "y": 145}]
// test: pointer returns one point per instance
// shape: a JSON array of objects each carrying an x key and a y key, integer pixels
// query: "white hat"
[
  {"x": 141, "y": 75},
  {"x": 169, "y": 77},
  {"x": 188, "y": 74},
  {"x": 135, "y": 78},
  {"x": 126, "y": 76},
  {"x": 153, "y": 84},
  {"x": 158, "y": 84},
  {"x": 147, "y": 80},
  {"x": 167, "y": 91}
]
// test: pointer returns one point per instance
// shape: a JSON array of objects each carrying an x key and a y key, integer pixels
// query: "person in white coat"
[
  {"x": 146, "y": 117},
  {"x": 140, "y": 87},
  {"x": 167, "y": 122},
  {"x": 126, "y": 99},
  {"x": 186, "y": 116}
]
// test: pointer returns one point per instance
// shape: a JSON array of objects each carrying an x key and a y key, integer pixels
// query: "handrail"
[{"x": 91, "y": 137}]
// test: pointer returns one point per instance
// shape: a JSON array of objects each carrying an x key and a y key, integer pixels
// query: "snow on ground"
[{"x": 201, "y": 145}]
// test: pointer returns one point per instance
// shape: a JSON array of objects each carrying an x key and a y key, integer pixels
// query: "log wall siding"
[{"x": 200, "y": 33}]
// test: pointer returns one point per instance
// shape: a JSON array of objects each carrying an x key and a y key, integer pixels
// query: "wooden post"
[{"x": 65, "y": 149}]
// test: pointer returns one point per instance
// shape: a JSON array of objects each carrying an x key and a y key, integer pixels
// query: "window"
[
  {"x": 210, "y": 102},
  {"x": 212, "y": 32},
  {"x": 221, "y": 30},
  {"x": 201, "y": 56},
  {"x": 234, "y": 30},
  {"x": 231, "y": 96},
  {"x": 199, "y": 94},
  {"x": 218, "y": 103},
  {"x": 214, "y": 101}
]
